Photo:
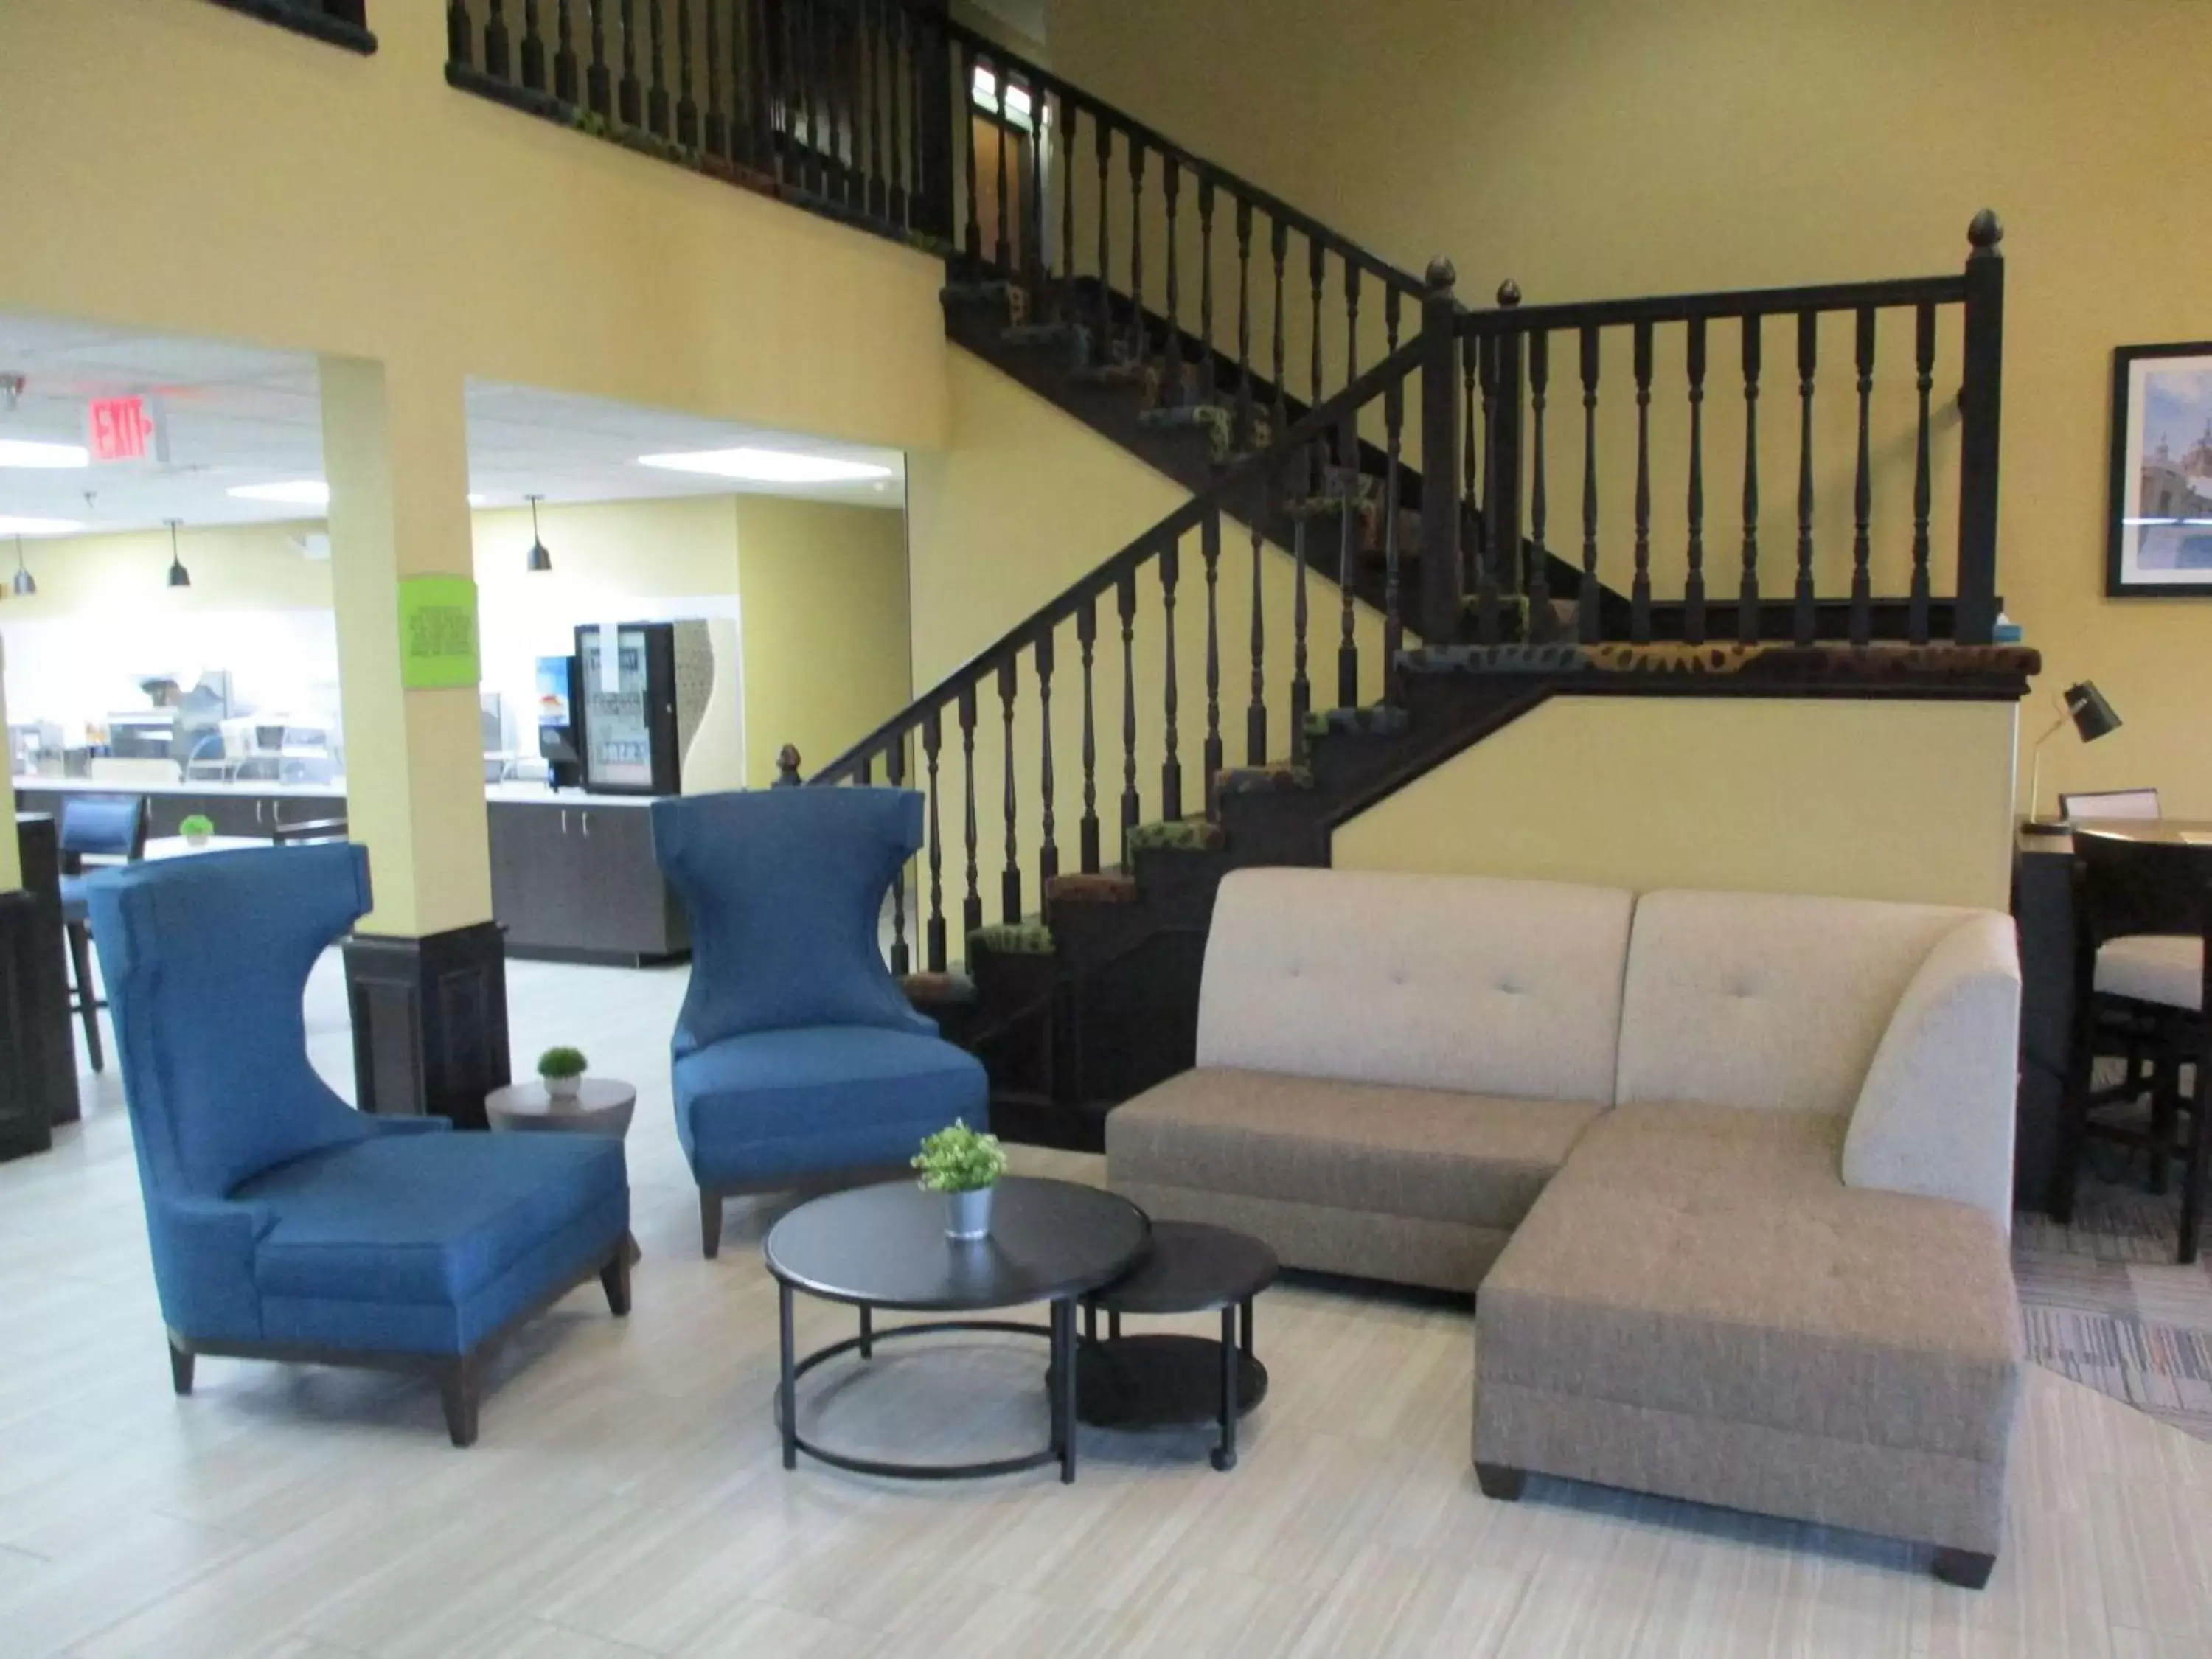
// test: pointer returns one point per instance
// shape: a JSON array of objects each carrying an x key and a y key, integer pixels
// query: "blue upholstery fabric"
[
  {"x": 265, "y": 1192},
  {"x": 796, "y": 1053},
  {"x": 102, "y": 826},
  {"x": 73, "y": 900},
  {"x": 777, "y": 1104}
]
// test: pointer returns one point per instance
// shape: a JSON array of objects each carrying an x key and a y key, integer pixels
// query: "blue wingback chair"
[
  {"x": 796, "y": 1054},
  {"x": 285, "y": 1225}
]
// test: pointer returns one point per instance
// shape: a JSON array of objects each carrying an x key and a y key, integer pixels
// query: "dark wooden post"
[
  {"x": 1501, "y": 502},
  {"x": 1981, "y": 406},
  {"x": 938, "y": 107},
  {"x": 1440, "y": 565}
]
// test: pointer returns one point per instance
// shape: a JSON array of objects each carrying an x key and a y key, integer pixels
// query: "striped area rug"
[{"x": 2104, "y": 1304}]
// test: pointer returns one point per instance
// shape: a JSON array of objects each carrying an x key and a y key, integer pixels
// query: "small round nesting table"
[
  {"x": 885, "y": 1247},
  {"x": 1157, "y": 1381},
  {"x": 603, "y": 1106}
]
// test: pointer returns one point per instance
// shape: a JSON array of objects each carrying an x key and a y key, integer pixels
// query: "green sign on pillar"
[{"x": 438, "y": 633}]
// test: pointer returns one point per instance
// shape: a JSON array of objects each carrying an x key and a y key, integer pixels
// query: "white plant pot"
[
  {"x": 968, "y": 1215},
  {"x": 563, "y": 1090},
  {"x": 198, "y": 839}
]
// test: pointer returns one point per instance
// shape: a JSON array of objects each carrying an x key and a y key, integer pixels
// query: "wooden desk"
[{"x": 2043, "y": 909}]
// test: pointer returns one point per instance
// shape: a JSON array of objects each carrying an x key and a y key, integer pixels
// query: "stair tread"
[{"x": 1102, "y": 887}]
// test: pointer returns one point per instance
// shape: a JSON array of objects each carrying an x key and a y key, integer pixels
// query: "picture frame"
[{"x": 2159, "y": 516}]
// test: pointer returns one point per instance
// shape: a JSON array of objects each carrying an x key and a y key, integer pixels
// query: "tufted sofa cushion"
[{"x": 1486, "y": 987}]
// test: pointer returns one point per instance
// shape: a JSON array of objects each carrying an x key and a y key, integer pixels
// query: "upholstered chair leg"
[
  {"x": 461, "y": 1388},
  {"x": 180, "y": 1367},
  {"x": 1498, "y": 1482},
  {"x": 2164, "y": 1118},
  {"x": 710, "y": 1223},
  {"x": 2073, "y": 1124},
  {"x": 87, "y": 1000},
  {"x": 614, "y": 1279},
  {"x": 1967, "y": 1569},
  {"x": 2198, "y": 1171}
]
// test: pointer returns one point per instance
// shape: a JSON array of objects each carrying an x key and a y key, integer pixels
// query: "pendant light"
[
  {"x": 26, "y": 584},
  {"x": 540, "y": 560},
  {"x": 178, "y": 576}
]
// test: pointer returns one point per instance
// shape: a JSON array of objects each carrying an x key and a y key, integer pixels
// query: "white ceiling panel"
[{"x": 239, "y": 414}]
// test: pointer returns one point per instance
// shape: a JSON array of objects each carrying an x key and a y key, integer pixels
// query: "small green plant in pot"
[
  {"x": 563, "y": 1069},
  {"x": 196, "y": 830},
  {"x": 965, "y": 1166}
]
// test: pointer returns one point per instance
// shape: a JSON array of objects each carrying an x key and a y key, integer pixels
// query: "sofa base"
[
  {"x": 459, "y": 1376},
  {"x": 1953, "y": 1503},
  {"x": 1501, "y": 1483},
  {"x": 1400, "y": 1250}
]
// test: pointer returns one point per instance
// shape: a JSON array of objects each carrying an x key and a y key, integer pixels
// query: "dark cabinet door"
[{"x": 631, "y": 909}]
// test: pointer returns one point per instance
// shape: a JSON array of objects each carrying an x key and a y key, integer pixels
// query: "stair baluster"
[
  {"x": 1393, "y": 438},
  {"x": 1922, "y": 484},
  {"x": 1243, "y": 437},
  {"x": 1491, "y": 551},
  {"x": 498, "y": 52},
  {"x": 895, "y": 776},
  {"x": 1473, "y": 349},
  {"x": 1068, "y": 122},
  {"x": 869, "y": 43},
  {"x": 632, "y": 104},
  {"x": 598, "y": 79},
  {"x": 1010, "y": 880},
  {"x": 1206, "y": 376},
  {"x": 1210, "y": 551},
  {"x": 1746, "y": 607},
  {"x": 1587, "y": 619},
  {"x": 1103, "y": 347},
  {"x": 656, "y": 97},
  {"x": 892, "y": 51},
  {"x": 1539, "y": 581},
  {"x": 566, "y": 68},
  {"x": 1126, "y": 593},
  {"x": 1639, "y": 614},
  {"x": 687, "y": 111},
  {"x": 1255, "y": 716},
  {"x": 1171, "y": 357},
  {"x": 1693, "y": 587},
  {"x": 714, "y": 137},
  {"x": 461, "y": 33},
  {"x": 1805, "y": 618},
  {"x": 1349, "y": 526},
  {"x": 1172, "y": 766},
  {"x": 967, "y": 143},
  {"x": 971, "y": 908},
  {"x": 932, "y": 742},
  {"x": 1049, "y": 853},
  {"x": 1086, "y": 636},
  {"x": 1139, "y": 345},
  {"x": 761, "y": 147},
  {"x": 1279, "y": 244},
  {"x": 1311, "y": 466},
  {"x": 1501, "y": 500},
  {"x": 1000, "y": 136},
  {"x": 534, "y": 48},
  {"x": 1862, "y": 491}
]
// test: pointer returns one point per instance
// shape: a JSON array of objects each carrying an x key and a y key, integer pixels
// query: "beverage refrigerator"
[{"x": 642, "y": 689}]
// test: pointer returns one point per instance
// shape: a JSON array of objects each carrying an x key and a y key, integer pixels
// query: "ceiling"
[{"x": 236, "y": 414}]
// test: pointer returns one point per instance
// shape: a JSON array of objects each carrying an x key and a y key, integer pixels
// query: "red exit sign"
[{"x": 122, "y": 429}]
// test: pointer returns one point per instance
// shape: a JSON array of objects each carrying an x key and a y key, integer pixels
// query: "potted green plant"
[
  {"x": 563, "y": 1070},
  {"x": 196, "y": 829},
  {"x": 965, "y": 1166}
]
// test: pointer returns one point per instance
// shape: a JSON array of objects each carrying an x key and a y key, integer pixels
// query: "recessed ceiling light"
[
  {"x": 766, "y": 466},
  {"x": 297, "y": 492},
  {"x": 21, "y": 526},
  {"x": 478, "y": 498},
  {"x": 26, "y": 451}
]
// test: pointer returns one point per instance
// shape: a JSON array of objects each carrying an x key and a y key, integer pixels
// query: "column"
[{"x": 425, "y": 970}]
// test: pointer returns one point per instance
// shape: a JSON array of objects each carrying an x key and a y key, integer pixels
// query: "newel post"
[
  {"x": 941, "y": 113},
  {"x": 787, "y": 767},
  {"x": 1501, "y": 469},
  {"x": 1981, "y": 407},
  {"x": 1441, "y": 592}
]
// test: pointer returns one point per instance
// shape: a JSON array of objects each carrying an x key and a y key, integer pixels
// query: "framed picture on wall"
[{"x": 2159, "y": 530}]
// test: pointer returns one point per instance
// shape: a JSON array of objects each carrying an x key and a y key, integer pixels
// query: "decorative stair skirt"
[{"x": 2104, "y": 1304}]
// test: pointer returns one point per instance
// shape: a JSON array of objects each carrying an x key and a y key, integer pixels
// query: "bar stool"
[
  {"x": 2142, "y": 912},
  {"x": 111, "y": 827}
]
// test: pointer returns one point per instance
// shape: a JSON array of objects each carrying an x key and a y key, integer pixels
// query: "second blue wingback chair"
[
  {"x": 797, "y": 1055},
  {"x": 285, "y": 1225}
]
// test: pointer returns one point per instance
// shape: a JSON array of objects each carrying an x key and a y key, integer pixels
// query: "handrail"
[
  {"x": 1221, "y": 178},
  {"x": 1746, "y": 303},
  {"x": 1322, "y": 422},
  {"x": 337, "y": 22}
]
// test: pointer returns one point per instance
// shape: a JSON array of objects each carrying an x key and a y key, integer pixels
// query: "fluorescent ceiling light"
[
  {"x": 19, "y": 526},
  {"x": 478, "y": 498},
  {"x": 766, "y": 466},
  {"x": 297, "y": 492},
  {"x": 28, "y": 452}
]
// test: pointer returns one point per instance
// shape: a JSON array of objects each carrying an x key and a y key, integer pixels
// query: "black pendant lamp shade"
[
  {"x": 540, "y": 560},
  {"x": 178, "y": 576},
  {"x": 26, "y": 584}
]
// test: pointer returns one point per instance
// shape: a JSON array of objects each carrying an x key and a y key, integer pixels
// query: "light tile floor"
[{"x": 627, "y": 1498}]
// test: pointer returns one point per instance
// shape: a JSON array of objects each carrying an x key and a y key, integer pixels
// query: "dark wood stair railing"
[{"x": 338, "y": 23}]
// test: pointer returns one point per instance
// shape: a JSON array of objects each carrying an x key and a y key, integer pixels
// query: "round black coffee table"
[
  {"x": 1151, "y": 1381},
  {"x": 885, "y": 1247}
]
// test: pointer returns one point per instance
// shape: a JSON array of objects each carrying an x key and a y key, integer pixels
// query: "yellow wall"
[
  {"x": 827, "y": 641},
  {"x": 1615, "y": 148},
  {"x": 1858, "y": 799},
  {"x": 234, "y": 567}
]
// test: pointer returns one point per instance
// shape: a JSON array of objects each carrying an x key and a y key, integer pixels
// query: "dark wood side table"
[{"x": 37, "y": 1053}]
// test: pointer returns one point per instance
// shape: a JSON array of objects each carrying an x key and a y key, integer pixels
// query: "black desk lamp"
[{"x": 2094, "y": 718}]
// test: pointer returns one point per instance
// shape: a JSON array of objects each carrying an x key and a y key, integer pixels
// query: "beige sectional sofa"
[{"x": 1732, "y": 1172}]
